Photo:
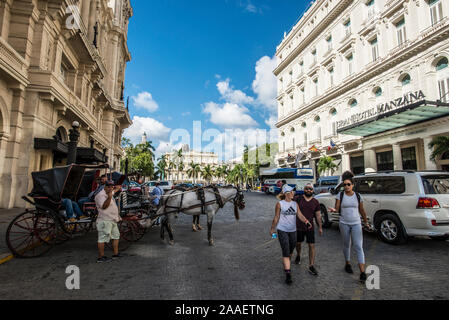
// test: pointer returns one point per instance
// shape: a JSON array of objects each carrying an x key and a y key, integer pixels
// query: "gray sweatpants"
[{"x": 352, "y": 234}]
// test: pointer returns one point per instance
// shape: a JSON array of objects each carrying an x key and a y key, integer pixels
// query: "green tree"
[
  {"x": 207, "y": 173},
  {"x": 193, "y": 171},
  {"x": 245, "y": 154},
  {"x": 161, "y": 167},
  {"x": 440, "y": 146},
  {"x": 327, "y": 164}
]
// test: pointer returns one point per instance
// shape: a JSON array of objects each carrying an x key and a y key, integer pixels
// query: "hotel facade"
[
  {"x": 366, "y": 82},
  {"x": 62, "y": 62}
]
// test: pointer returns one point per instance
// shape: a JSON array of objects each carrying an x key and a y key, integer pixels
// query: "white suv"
[{"x": 399, "y": 204}]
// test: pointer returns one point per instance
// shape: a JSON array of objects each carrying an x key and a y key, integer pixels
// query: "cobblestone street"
[{"x": 242, "y": 265}]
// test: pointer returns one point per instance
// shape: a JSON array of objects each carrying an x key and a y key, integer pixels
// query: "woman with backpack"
[
  {"x": 284, "y": 223},
  {"x": 350, "y": 206}
]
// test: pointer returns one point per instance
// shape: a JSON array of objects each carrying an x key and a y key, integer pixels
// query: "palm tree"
[
  {"x": 251, "y": 173},
  {"x": 327, "y": 164},
  {"x": 161, "y": 167},
  {"x": 440, "y": 146},
  {"x": 193, "y": 171},
  {"x": 207, "y": 173},
  {"x": 178, "y": 159},
  {"x": 171, "y": 166},
  {"x": 180, "y": 168},
  {"x": 245, "y": 154}
]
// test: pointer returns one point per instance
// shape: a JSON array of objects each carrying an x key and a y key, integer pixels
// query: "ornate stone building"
[
  {"x": 60, "y": 61},
  {"x": 366, "y": 82}
]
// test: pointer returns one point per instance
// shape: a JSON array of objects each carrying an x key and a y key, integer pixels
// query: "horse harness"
[{"x": 200, "y": 196}]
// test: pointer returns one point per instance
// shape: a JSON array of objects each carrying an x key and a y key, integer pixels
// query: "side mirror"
[{"x": 332, "y": 190}]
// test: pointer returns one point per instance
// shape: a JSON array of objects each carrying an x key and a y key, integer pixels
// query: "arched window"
[
  {"x": 333, "y": 112},
  {"x": 443, "y": 79},
  {"x": 377, "y": 92},
  {"x": 442, "y": 64},
  {"x": 353, "y": 103},
  {"x": 405, "y": 79},
  {"x": 304, "y": 125},
  {"x": 317, "y": 119},
  {"x": 61, "y": 133}
]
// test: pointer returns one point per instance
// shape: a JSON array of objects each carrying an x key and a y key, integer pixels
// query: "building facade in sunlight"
[
  {"x": 366, "y": 82},
  {"x": 188, "y": 156},
  {"x": 61, "y": 61}
]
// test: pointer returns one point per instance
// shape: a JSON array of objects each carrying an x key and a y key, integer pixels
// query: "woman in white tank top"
[{"x": 285, "y": 222}]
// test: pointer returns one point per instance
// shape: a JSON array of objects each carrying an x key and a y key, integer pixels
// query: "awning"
[
  {"x": 83, "y": 155},
  {"x": 50, "y": 144},
  {"x": 412, "y": 114},
  {"x": 88, "y": 155}
]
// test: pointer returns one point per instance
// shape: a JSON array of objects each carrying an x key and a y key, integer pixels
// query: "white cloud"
[
  {"x": 154, "y": 129},
  {"x": 145, "y": 100},
  {"x": 229, "y": 115},
  {"x": 166, "y": 147},
  {"x": 233, "y": 96},
  {"x": 230, "y": 144},
  {"x": 265, "y": 83},
  {"x": 271, "y": 122}
]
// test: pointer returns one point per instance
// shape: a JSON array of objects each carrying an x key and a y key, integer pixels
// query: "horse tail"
[{"x": 236, "y": 212}]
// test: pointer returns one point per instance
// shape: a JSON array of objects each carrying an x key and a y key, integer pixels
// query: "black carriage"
[{"x": 36, "y": 231}]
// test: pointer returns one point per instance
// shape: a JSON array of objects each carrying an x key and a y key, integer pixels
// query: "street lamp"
[{"x": 73, "y": 142}]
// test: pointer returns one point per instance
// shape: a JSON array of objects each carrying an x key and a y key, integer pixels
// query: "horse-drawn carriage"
[{"x": 35, "y": 232}]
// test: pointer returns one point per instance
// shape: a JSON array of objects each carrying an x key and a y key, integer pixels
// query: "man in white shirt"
[{"x": 108, "y": 217}]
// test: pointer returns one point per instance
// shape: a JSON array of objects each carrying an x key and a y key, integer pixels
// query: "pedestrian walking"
[
  {"x": 310, "y": 208},
  {"x": 108, "y": 217},
  {"x": 284, "y": 222},
  {"x": 350, "y": 206}
]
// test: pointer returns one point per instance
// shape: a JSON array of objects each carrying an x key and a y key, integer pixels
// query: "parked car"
[
  {"x": 185, "y": 185},
  {"x": 399, "y": 204},
  {"x": 324, "y": 184},
  {"x": 164, "y": 185}
]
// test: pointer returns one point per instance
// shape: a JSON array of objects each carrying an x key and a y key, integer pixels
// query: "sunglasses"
[
  {"x": 347, "y": 184},
  {"x": 308, "y": 189}
]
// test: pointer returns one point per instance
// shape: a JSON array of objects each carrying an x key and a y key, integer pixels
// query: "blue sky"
[{"x": 196, "y": 61}]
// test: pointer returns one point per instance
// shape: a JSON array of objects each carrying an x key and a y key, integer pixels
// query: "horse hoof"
[
  {"x": 199, "y": 227},
  {"x": 211, "y": 243},
  {"x": 171, "y": 242},
  {"x": 194, "y": 228}
]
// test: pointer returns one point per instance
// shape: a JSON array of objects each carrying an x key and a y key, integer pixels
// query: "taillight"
[
  {"x": 434, "y": 223},
  {"x": 426, "y": 203}
]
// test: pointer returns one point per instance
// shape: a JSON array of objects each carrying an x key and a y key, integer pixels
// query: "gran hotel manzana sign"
[{"x": 381, "y": 109}]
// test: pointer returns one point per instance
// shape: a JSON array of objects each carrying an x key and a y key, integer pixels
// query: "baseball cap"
[
  {"x": 286, "y": 189},
  {"x": 110, "y": 183}
]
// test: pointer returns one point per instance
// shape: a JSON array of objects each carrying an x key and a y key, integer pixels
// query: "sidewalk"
[{"x": 6, "y": 216}]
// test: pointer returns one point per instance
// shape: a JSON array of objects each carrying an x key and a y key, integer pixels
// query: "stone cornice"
[
  {"x": 427, "y": 38},
  {"x": 323, "y": 24}
]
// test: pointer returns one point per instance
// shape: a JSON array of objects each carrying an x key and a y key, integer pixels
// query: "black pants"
[{"x": 288, "y": 242}]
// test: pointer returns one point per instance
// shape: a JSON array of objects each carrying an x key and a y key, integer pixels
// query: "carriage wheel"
[
  {"x": 31, "y": 234},
  {"x": 131, "y": 230}
]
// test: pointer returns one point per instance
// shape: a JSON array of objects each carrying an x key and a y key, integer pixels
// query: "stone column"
[
  {"x": 429, "y": 164},
  {"x": 370, "y": 160},
  {"x": 397, "y": 157},
  {"x": 345, "y": 162},
  {"x": 11, "y": 165}
]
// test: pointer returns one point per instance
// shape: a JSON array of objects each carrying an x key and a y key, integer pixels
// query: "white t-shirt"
[
  {"x": 350, "y": 214},
  {"x": 108, "y": 214},
  {"x": 287, "y": 220}
]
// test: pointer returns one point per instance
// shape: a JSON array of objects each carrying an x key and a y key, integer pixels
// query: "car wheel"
[
  {"x": 391, "y": 230},
  {"x": 440, "y": 238},
  {"x": 325, "y": 218}
]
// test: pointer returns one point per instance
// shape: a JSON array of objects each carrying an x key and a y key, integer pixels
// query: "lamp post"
[{"x": 74, "y": 138}]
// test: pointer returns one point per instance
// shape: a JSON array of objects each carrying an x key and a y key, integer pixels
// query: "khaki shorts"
[{"x": 107, "y": 230}]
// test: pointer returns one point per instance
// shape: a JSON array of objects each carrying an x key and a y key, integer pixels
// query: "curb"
[{"x": 5, "y": 257}]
